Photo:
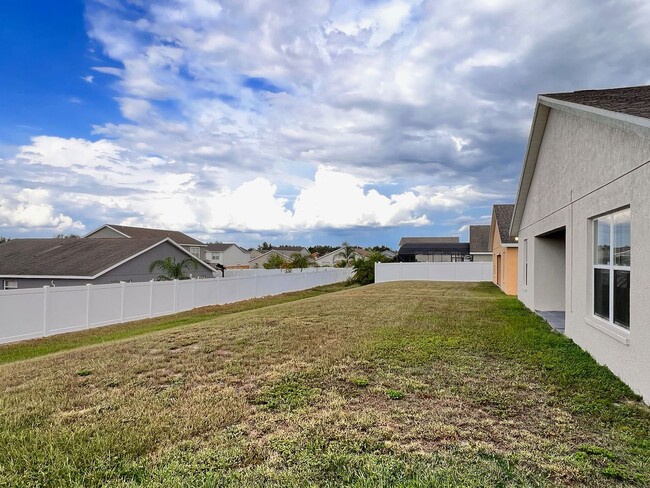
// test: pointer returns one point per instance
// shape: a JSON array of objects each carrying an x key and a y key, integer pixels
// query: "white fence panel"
[
  {"x": 203, "y": 293},
  {"x": 66, "y": 309},
  {"x": 105, "y": 305},
  {"x": 38, "y": 312},
  {"x": 163, "y": 298},
  {"x": 137, "y": 298},
  {"x": 480, "y": 271},
  {"x": 21, "y": 314}
]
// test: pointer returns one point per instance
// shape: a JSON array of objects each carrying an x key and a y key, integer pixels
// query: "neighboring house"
[
  {"x": 337, "y": 256},
  {"x": 228, "y": 255},
  {"x": 285, "y": 251},
  {"x": 260, "y": 259},
  {"x": 479, "y": 243},
  {"x": 388, "y": 254},
  {"x": 583, "y": 206},
  {"x": 32, "y": 263},
  {"x": 504, "y": 249},
  {"x": 432, "y": 249},
  {"x": 111, "y": 231}
]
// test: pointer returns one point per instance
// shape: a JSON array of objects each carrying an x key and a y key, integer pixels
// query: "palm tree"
[
  {"x": 299, "y": 261},
  {"x": 347, "y": 253},
  {"x": 172, "y": 270},
  {"x": 364, "y": 268},
  {"x": 275, "y": 261}
]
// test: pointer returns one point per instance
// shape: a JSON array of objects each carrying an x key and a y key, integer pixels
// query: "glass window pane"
[
  {"x": 601, "y": 293},
  {"x": 601, "y": 240},
  {"x": 622, "y": 238},
  {"x": 622, "y": 298}
]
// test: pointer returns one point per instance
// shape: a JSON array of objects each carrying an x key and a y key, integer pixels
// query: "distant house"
[
  {"x": 479, "y": 243},
  {"x": 337, "y": 256},
  {"x": 31, "y": 263},
  {"x": 111, "y": 231},
  {"x": 388, "y": 254},
  {"x": 504, "y": 249},
  {"x": 582, "y": 216},
  {"x": 432, "y": 249},
  {"x": 258, "y": 258},
  {"x": 228, "y": 254}
]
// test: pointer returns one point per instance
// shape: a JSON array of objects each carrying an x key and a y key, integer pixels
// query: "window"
[
  {"x": 195, "y": 251},
  {"x": 611, "y": 267},
  {"x": 10, "y": 284}
]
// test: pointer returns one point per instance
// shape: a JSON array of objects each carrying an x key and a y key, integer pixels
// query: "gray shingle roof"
[
  {"x": 633, "y": 100},
  {"x": 503, "y": 216},
  {"x": 427, "y": 240},
  {"x": 67, "y": 257},
  {"x": 479, "y": 238},
  {"x": 160, "y": 234}
]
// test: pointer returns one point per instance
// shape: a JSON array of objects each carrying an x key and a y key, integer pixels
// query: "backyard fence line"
[
  {"x": 39, "y": 312},
  {"x": 479, "y": 271}
]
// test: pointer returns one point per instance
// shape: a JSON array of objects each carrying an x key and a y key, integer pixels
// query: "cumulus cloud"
[
  {"x": 31, "y": 208},
  {"x": 277, "y": 115}
]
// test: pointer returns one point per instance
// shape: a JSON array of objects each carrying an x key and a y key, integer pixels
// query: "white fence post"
[
  {"x": 150, "y": 298},
  {"x": 123, "y": 283},
  {"x": 175, "y": 295},
  {"x": 45, "y": 292},
  {"x": 88, "y": 285}
]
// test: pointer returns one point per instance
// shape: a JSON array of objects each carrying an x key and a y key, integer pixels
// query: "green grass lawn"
[{"x": 399, "y": 384}]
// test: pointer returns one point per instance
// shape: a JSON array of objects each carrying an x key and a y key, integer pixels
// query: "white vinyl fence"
[
  {"x": 433, "y": 272},
  {"x": 39, "y": 312}
]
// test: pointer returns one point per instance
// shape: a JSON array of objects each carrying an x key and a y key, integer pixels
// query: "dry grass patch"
[{"x": 411, "y": 384}]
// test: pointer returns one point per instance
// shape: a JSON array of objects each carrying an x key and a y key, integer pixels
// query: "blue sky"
[{"x": 283, "y": 121}]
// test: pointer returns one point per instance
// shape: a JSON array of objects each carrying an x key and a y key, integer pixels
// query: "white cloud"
[{"x": 31, "y": 209}]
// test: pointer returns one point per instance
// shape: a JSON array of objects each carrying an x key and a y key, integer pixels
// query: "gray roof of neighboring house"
[
  {"x": 288, "y": 248},
  {"x": 503, "y": 216},
  {"x": 67, "y": 257},
  {"x": 427, "y": 240},
  {"x": 145, "y": 233},
  {"x": 632, "y": 100},
  {"x": 479, "y": 238}
]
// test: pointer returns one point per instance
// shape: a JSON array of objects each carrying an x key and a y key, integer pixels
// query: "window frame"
[
  {"x": 611, "y": 267},
  {"x": 5, "y": 284}
]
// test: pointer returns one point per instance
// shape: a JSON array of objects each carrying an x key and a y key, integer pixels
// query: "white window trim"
[
  {"x": 5, "y": 287},
  {"x": 607, "y": 325}
]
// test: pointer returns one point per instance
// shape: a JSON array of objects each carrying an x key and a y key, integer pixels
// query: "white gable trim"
[
  {"x": 166, "y": 239},
  {"x": 103, "y": 226}
]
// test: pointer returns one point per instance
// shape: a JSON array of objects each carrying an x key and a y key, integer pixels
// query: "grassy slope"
[
  {"x": 64, "y": 342},
  {"x": 400, "y": 384}
]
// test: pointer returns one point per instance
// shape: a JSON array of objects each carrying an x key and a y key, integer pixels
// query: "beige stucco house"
[
  {"x": 583, "y": 206},
  {"x": 229, "y": 255},
  {"x": 504, "y": 249}
]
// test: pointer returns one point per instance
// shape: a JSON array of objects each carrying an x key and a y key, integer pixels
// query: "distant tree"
[
  {"x": 379, "y": 248},
  {"x": 299, "y": 261},
  {"x": 4, "y": 239},
  {"x": 172, "y": 270},
  {"x": 275, "y": 261},
  {"x": 67, "y": 236},
  {"x": 321, "y": 250},
  {"x": 265, "y": 246},
  {"x": 347, "y": 253},
  {"x": 364, "y": 268}
]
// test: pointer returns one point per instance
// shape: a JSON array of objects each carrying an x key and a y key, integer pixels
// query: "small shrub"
[
  {"x": 359, "y": 381},
  {"x": 394, "y": 394}
]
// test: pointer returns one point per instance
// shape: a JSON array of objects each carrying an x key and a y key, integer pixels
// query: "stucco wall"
[
  {"x": 586, "y": 169},
  {"x": 508, "y": 263}
]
